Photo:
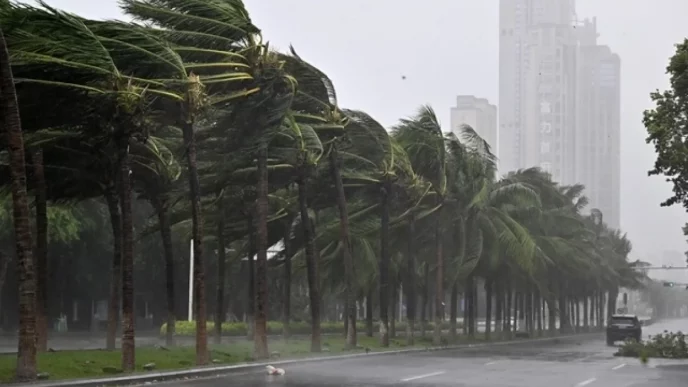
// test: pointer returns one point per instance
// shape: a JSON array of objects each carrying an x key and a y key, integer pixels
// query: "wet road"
[{"x": 569, "y": 362}]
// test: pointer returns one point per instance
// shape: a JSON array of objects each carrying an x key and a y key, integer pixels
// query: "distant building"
[
  {"x": 559, "y": 99},
  {"x": 537, "y": 51},
  {"x": 598, "y": 126},
  {"x": 477, "y": 113}
]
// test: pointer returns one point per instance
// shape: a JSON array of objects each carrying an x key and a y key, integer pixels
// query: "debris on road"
[{"x": 274, "y": 371}]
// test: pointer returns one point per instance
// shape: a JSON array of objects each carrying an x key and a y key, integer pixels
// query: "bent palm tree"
[{"x": 11, "y": 123}]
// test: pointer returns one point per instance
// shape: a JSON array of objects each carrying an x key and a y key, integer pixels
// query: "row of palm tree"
[{"x": 238, "y": 146}]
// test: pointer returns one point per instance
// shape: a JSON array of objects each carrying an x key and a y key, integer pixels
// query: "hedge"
[{"x": 188, "y": 328}]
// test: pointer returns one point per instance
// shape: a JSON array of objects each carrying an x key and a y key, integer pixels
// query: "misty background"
[{"x": 446, "y": 48}]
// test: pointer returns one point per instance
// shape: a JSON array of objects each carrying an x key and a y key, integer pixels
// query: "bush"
[
  {"x": 188, "y": 328},
  {"x": 667, "y": 345}
]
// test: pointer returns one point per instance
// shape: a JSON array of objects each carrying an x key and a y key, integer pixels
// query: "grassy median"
[{"x": 99, "y": 363}]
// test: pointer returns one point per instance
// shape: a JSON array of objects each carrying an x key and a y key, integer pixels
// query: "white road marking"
[
  {"x": 423, "y": 376},
  {"x": 586, "y": 382},
  {"x": 490, "y": 363},
  {"x": 619, "y": 366}
]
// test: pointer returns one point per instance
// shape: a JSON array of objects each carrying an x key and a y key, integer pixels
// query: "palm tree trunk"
[
  {"x": 350, "y": 276},
  {"x": 168, "y": 251},
  {"x": 499, "y": 306},
  {"x": 312, "y": 266},
  {"x": 488, "y": 308},
  {"x": 509, "y": 315},
  {"x": 261, "y": 318},
  {"x": 41, "y": 251},
  {"x": 221, "y": 272},
  {"x": 112, "y": 199},
  {"x": 528, "y": 295},
  {"x": 470, "y": 288},
  {"x": 453, "y": 311},
  {"x": 586, "y": 313},
  {"x": 600, "y": 309},
  {"x": 369, "y": 312},
  {"x": 411, "y": 296},
  {"x": 425, "y": 300},
  {"x": 393, "y": 308},
  {"x": 538, "y": 312},
  {"x": 466, "y": 310},
  {"x": 26, "y": 276},
  {"x": 197, "y": 236},
  {"x": 286, "y": 300},
  {"x": 439, "y": 290},
  {"x": 384, "y": 265},
  {"x": 251, "y": 276},
  {"x": 345, "y": 318},
  {"x": 128, "y": 334},
  {"x": 563, "y": 309}
]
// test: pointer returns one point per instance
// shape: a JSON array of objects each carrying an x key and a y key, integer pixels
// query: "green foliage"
[
  {"x": 668, "y": 345},
  {"x": 188, "y": 328},
  {"x": 667, "y": 127}
]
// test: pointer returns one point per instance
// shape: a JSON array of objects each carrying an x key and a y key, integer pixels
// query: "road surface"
[{"x": 569, "y": 362}]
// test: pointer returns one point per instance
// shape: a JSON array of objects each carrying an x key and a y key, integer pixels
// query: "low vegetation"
[
  {"x": 667, "y": 345},
  {"x": 188, "y": 328}
]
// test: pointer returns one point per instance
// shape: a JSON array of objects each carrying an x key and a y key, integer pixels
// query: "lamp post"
[{"x": 191, "y": 278}]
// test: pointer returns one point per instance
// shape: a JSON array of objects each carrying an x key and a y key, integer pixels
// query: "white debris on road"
[{"x": 274, "y": 371}]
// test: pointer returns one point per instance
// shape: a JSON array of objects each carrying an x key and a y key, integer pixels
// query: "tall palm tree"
[
  {"x": 41, "y": 249},
  {"x": 316, "y": 106},
  {"x": 422, "y": 138},
  {"x": 26, "y": 353},
  {"x": 155, "y": 170},
  {"x": 375, "y": 162},
  {"x": 208, "y": 37}
]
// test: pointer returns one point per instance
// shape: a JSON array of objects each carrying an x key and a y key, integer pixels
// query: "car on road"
[{"x": 622, "y": 327}]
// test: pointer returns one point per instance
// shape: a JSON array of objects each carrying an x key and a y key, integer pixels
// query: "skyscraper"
[
  {"x": 477, "y": 113},
  {"x": 559, "y": 94},
  {"x": 598, "y": 142},
  {"x": 537, "y": 85}
]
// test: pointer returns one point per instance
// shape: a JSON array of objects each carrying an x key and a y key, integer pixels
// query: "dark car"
[{"x": 622, "y": 327}]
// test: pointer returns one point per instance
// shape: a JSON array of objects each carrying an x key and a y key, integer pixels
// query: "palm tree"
[
  {"x": 155, "y": 171},
  {"x": 315, "y": 106},
  {"x": 26, "y": 353},
  {"x": 376, "y": 163},
  {"x": 422, "y": 138},
  {"x": 41, "y": 249},
  {"x": 209, "y": 48}
]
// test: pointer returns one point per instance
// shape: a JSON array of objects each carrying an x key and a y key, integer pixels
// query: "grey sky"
[{"x": 450, "y": 47}]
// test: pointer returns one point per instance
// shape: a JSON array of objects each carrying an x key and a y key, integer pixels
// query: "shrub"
[
  {"x": 668, "y": 345},
  {"x": 188, "y": 328}
]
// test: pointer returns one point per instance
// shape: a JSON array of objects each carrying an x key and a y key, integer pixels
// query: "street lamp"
[{"x": 191, "y": 277}]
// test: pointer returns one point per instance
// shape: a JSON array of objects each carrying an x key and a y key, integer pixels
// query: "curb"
[{"x": 217, "y": 371}]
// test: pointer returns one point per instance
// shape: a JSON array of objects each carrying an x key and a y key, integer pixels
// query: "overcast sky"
[{"x": 450, "y": 47}]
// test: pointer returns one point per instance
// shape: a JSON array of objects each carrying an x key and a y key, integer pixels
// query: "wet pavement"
[{"x": 570, "y": 362}]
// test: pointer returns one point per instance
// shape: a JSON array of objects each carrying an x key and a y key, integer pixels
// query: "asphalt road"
[{"x": 569, "y": 362}]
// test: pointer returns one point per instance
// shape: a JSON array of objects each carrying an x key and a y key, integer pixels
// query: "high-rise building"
[
  {"x": 598, "y": 133},
  {"x": 537, "y": 86},
  {"x": 559, "y": 99},
  {"x": 477, "y": 113}
]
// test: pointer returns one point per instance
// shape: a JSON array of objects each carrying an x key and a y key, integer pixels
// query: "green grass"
[{"x": 90, "y": 364}]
